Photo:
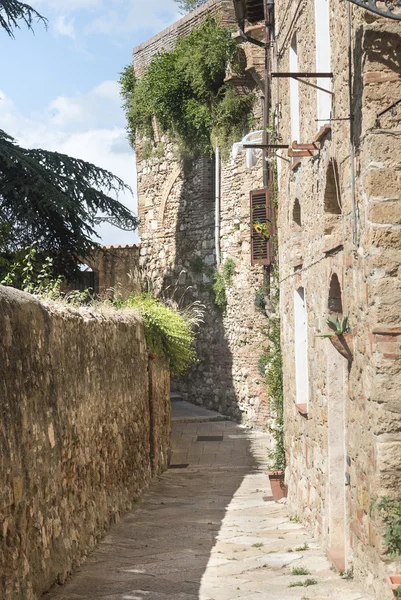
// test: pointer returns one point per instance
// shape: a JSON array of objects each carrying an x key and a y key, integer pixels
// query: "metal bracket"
[
  {"x": 124, "y": 225},
  {"x": 248, "y": 38},
  {"x": 387, "y": 11},
  {"x": 392, "y": 107}
]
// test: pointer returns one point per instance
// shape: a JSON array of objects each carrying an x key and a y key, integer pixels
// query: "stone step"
[{"x": 185, "y": 412}]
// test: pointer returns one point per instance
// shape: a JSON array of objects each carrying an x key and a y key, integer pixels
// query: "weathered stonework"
[
  {"x": 84, "y": 425},
  {"x": 177, "y": 246},
  {"x": 343, "y": 439},
  {"x": 117, "y": 269}
]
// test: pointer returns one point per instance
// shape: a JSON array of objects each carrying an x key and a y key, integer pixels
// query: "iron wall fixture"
[
  {"x": 124, "y": 225},
  {"x": 384, "y": 8}
]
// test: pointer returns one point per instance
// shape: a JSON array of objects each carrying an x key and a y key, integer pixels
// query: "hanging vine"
[{"x": 185, "y": 92}]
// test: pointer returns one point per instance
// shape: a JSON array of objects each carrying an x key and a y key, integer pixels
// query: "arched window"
[
  {"x": 335, "y": 304},
  {"x": 296, "y": 213},
  {"x": 332, "y": 198}
]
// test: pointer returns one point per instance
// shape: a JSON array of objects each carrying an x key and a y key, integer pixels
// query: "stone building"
[
  {"x": 339, "y": 240},
  {"x": 109, "y": 271},
  {"x": 176, "y": 204},
  {"x": 337, "y": 147}
]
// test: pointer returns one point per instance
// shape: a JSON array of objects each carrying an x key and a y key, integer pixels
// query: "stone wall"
[
  {"x": 176, "y": 203},
  {"x": 343, "y": 436},
  {"x": 84, "y": 425},
  {"x": 117, "y": 269}
]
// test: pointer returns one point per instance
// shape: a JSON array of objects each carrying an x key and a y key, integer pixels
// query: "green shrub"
[
  {"x": 31, "y": 272},
  {"x": 274, "y": 381},
  {"x": 168, "y": 332},
  {"x": 260, "y": 301},
  {"x": 184, "y": 89},
  {"x": 390, "y": 510},
  {"x": 263, "y": 362},
  {"x": 222, "y": 279}
]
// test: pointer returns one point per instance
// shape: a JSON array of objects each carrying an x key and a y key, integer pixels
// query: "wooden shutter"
[{"x": 262, "y": 211}]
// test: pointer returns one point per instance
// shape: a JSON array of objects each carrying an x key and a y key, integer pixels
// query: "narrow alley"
[{"x": 208, "y": 529}]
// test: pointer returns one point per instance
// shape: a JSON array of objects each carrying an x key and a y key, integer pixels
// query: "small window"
[
  {"x": 296, "y": 213},
  {"x": 335, "y": 304},
  {"x": 332, "y": 198}
]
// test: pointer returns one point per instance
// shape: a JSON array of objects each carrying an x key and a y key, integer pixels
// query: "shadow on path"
[
  {"x": 208, "y": 531},
  {"x": 162, "y": 548}
]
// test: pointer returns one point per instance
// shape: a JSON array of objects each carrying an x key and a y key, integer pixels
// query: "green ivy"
[
  {"x": 168, "y": 332},
  {"x": 184, "y": 90},
  {"x": 274, "y": 381},
  {"x": 390, "y": 509},
  {"x": 222, "y": 279}
]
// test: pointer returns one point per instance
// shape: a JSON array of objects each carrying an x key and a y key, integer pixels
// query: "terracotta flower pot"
[
  {"x": 279, "y": 489},
  {"x": 394, "y": 581},
  {"x": 343, "y": 344}
]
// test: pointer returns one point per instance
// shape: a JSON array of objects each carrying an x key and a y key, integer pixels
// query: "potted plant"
[
  {"x": 394, "y": 581},
  {"x": 274, "y": 381},
  {"x": 340, "y": 335}
]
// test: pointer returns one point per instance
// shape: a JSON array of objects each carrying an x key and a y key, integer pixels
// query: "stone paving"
[{"x": 208, "y": 531}]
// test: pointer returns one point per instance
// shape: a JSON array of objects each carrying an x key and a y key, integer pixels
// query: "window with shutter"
[{"x": 263, "y": 227}]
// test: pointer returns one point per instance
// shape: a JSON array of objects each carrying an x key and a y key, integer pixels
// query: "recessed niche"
[
  {"x": 335, "y": 303},
  {"x": 296, "y": 213}
]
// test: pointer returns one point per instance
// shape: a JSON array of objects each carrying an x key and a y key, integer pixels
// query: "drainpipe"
[{"x": 217, "y": 206}]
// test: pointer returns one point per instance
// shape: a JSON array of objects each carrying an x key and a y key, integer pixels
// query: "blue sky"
[{"x": 58, "y": 88}]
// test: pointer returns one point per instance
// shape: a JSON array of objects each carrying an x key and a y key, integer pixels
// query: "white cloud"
[
  {"x": 65, "y": 27},
  {"x": 110, "y": 17},
  {"x": 75, "y": 126}
]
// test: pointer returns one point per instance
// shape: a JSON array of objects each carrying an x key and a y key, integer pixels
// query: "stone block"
[
  {"x": 385, "y": 212},
  {"x": 382, "y": 183}
]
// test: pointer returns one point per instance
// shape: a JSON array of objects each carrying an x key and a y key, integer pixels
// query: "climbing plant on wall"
[{"x": 185, "y": 91}]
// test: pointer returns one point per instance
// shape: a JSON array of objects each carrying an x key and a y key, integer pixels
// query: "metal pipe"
[
  {"x": 351, "y": 132},
  {"x": 217, "y": 206}
]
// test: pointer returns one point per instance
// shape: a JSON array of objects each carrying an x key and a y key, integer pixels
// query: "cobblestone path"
[{"x": 208, "y": 531}]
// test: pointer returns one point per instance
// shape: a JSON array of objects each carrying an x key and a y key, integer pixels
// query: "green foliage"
[
  {"x": 168, "y": 332},
  {"x": 398, "y": 592},
  {"x": 228, "y": 271},
  {"x": 184, "y": 90},
  {"x": 299, "y": 571},
  {"x": 306, "y": 583},
  {"x": 305, "y": 546},
  {"x": 53, "y": 198},
  {"x": 222, "y": 280},
  {"x": 189, "y": 5},
  {"x": 390, "y": 510},
  {"x": 338, "y": 326},
  {"x": 296, "y": 519},
  {"x": 33, "y": 274},
  {"x": 263, "y": 362},
  {"x": 274, "y": 381},
  {"x": 50, "y": 197},
  {"x": 260, "y": 301},
  {"x": 13, "y": 11}
]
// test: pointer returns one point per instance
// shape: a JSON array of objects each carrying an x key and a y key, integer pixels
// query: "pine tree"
[
  {"x": 51, "y": 198},
  {"x": 12, "y": 11}
]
